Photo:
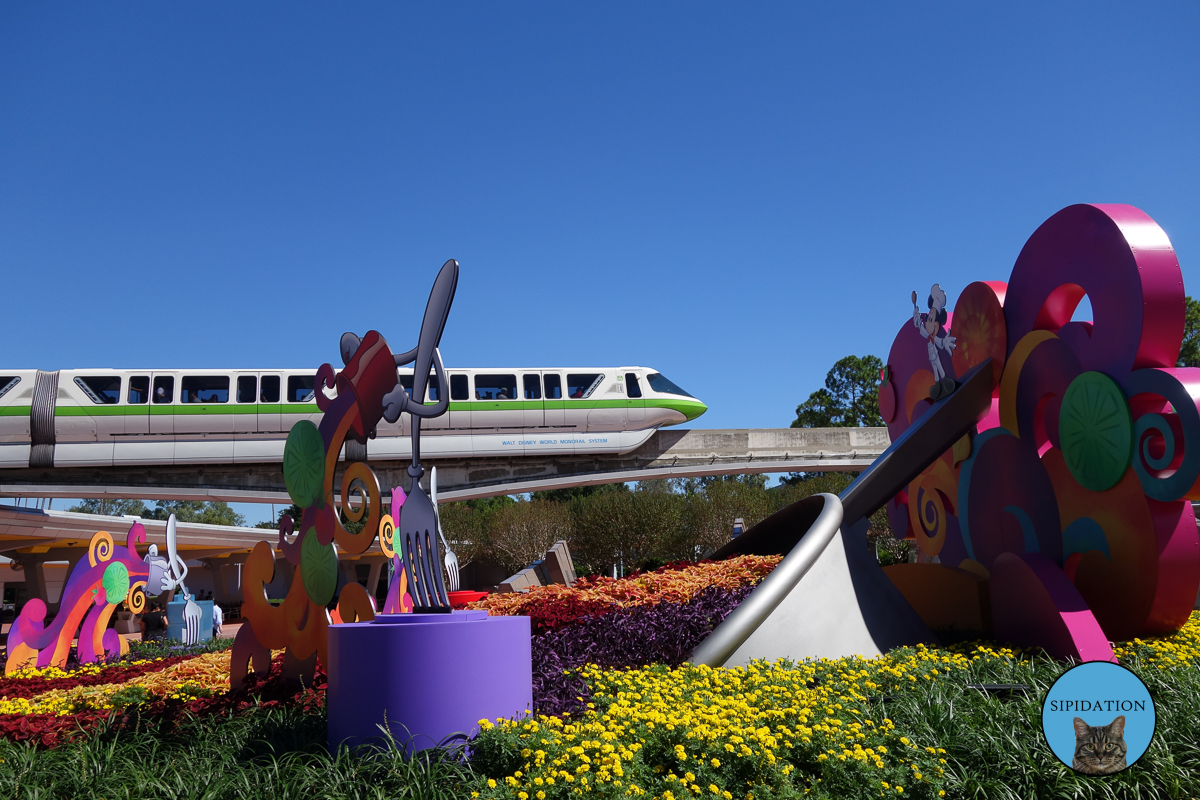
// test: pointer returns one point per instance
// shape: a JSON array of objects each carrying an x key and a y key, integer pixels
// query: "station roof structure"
[{"x": 27, "y": 531}]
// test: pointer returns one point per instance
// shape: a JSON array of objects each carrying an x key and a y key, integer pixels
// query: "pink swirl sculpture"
[{"x": 1065, "y": 520}]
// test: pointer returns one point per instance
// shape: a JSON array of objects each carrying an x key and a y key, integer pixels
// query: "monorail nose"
[{"x": 693, "y": 409}]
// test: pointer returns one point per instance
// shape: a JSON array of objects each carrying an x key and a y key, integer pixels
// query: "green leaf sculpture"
[
  {"x": 1095, "y": 429},
  {"x": 115, "y": 582},
  {"x": 318, "y": 566},
  {"x": 304, "y": 464}
]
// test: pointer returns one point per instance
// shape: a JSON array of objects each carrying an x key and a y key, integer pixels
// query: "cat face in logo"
[{"x": 1100, "y": 749}]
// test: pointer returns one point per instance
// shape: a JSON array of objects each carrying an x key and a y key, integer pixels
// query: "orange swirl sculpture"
[{"x": 300, "y": 624}]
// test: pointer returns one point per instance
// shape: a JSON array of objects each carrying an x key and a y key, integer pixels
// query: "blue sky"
[{"x": 735, "y": 195}]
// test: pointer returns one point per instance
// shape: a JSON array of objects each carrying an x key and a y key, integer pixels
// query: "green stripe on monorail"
[
  {"x": 14, "y": 411},
  {"x": 188, "y": 409},
  {"x": 689, "y": 408}
]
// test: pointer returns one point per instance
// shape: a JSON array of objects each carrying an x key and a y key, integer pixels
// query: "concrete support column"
[
  {"x": 224, "y": 574},
  {"x": 35, "y": 580},
  {"x": 373, "y": 578},
  {"x": 229, "y": 575}
]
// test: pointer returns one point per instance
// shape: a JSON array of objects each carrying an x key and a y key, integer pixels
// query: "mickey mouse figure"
[{"x": 936, "y": 337}]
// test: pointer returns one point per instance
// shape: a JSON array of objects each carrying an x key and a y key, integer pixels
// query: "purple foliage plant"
[{"x": 666, "y": 633}]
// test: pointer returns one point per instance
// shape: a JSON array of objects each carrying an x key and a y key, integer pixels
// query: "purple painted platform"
[{"x": 432, "y": 675}]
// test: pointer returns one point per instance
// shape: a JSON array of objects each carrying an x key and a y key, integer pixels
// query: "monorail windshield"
[{"x": 660, "y": 384}]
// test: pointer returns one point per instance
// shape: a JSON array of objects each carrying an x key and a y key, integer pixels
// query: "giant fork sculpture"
[{"x": 418, "y": 518}]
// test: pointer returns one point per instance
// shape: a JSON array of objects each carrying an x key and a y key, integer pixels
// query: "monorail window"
[
  {"x": 632, "y": 387},
  {"x": 164, "y": 389},
  {"x": 553, "y": 387},
  {"x": 104, "y": 390},
  {"x": 660, "y": 384},
  {"x": 495, "y": 387},
  {"x": 139, "y": 389},
  {"x": 247, "y": 386},
  {"x": 270, "y": 389},
  {"x": 7, "y": 382},
  {"x": 205, "y": 389},
  {"x": 300, "y": 388},
  {"x": 459, "y": 390},
  {"x": 433, "y": 388},
  {"x": 533, "y": 387},
  {"x": 581, "y": 386},
  {"x": 407, "y": 382}
]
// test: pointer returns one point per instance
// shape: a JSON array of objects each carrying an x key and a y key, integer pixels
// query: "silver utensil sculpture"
[
  {"x": 167, "y": 574},
  {"x": 451, "y": 559}
]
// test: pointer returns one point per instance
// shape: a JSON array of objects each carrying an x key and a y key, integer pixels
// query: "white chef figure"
[{"x": 935, "y": 337}]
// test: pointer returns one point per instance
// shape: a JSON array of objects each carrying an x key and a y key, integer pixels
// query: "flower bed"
[
  {"x": 1178, "y": 650},
  {"x": 821, "y": 727},
  {"x": 687, "y": 731},
  {"x": 550, "y": 607},
  {"x": 51, "y": 705},
  {"x": 185, "y": 678},
  {"x": 646, "y": 618},
  {"x": 31, "y": 682}
]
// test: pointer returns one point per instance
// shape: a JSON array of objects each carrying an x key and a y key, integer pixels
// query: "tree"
[
  {"x": 110, "y": 508},
  {"x": 1189, "y": 352},
  {"x": 488, "y": 505},
  {"x": 817, "y": 482},
  {"x": 294, "y": 511},
  {"x": 566, "y": 495},
  {"x": 519, "y": 533},
  {"x": 214, "y": 513},
  {"x": 849, "y": 399}
]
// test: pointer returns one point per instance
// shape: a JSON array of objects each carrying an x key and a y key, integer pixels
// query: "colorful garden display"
[
  {"x": 1068, "y": 511},
  {"x": 1062, "y": 522}
]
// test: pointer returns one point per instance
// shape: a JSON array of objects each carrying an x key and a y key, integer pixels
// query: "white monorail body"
[{"x": 110, "y": 417}]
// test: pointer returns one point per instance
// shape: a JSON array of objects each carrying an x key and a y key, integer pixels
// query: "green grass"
[
  {"x": 996, "y": 749},
  {"x": 274, "y": 753}
]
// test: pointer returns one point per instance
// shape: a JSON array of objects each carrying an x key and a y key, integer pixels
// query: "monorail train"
[{"x": 109, "y": 417}]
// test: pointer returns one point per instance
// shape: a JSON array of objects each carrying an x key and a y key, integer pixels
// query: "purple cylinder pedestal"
[{"x": 426, "y": 676}]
